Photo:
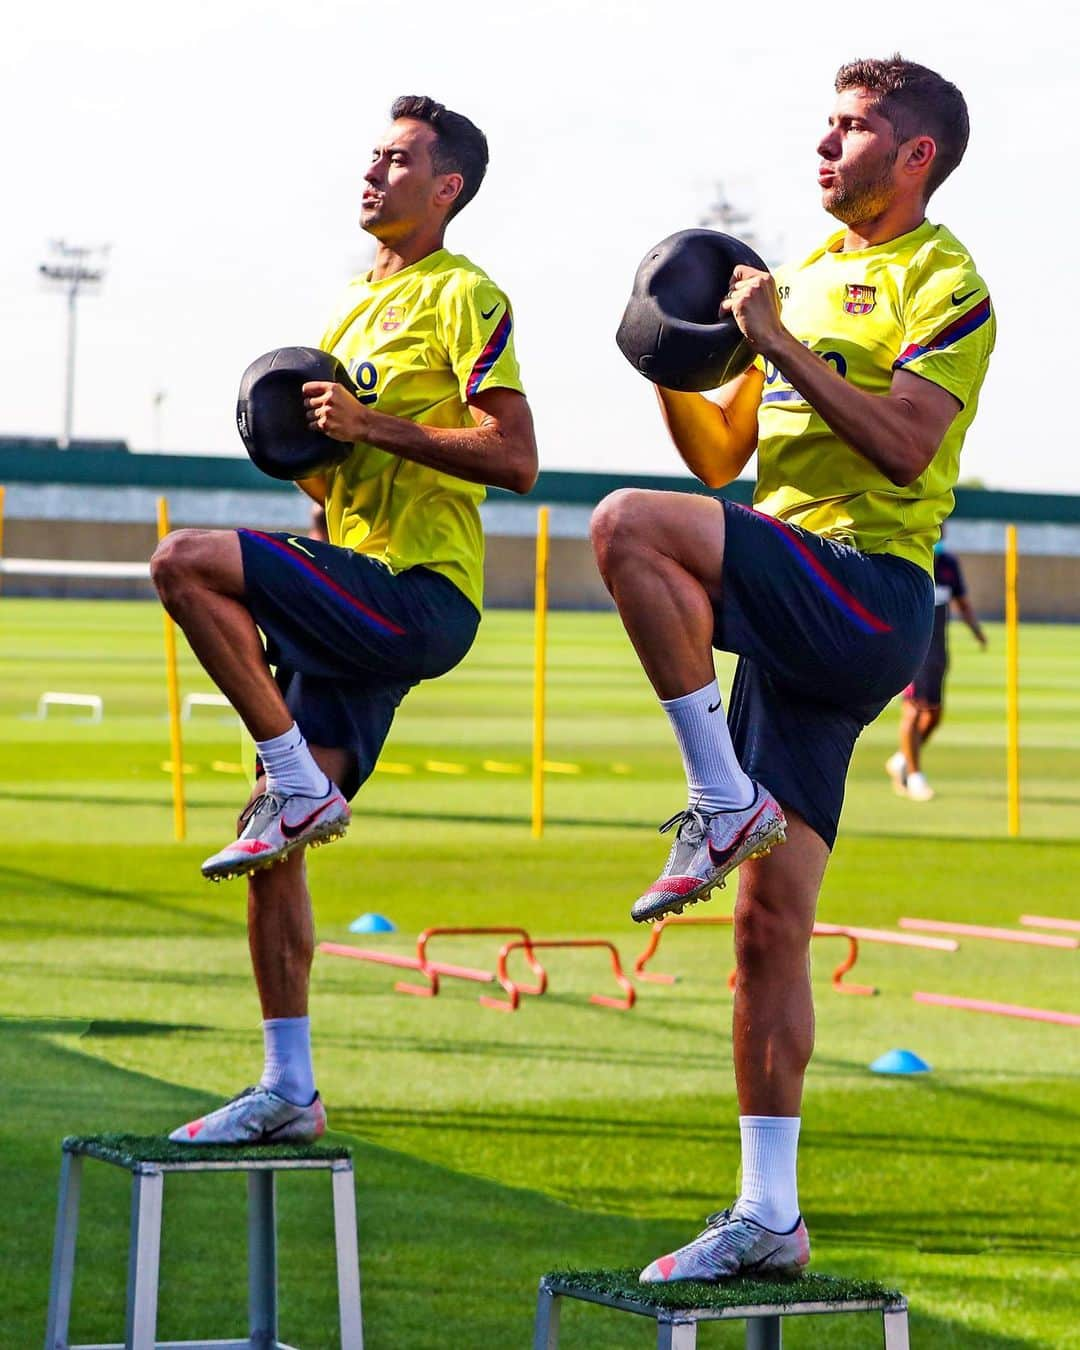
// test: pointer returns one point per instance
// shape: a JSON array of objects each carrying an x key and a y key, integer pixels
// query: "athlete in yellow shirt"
[
  {"x": 870, "y": 358},
  {"x": 390, "y": 598}
]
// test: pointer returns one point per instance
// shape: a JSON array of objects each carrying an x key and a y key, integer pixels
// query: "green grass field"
[{"x": 491, "y": 1148}]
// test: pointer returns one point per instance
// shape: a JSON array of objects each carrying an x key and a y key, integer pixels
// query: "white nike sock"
[
  {"x": 288, "y": 1069},
  {"x": 290, "y": 766},
  {"x": 714, "y": 776},
  {"x": 770, "y": 1193}
]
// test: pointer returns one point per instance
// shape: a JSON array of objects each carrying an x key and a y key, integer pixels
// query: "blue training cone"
[
  {"x": 372, "y": 923},
  {"x": 899, "y": 1061}
]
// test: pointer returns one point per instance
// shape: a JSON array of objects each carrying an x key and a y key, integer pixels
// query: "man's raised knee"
[
  {"x": 174, "y": 558},
  {"x": 614, "y": 522},
  {"x": 185, "y": 557}
]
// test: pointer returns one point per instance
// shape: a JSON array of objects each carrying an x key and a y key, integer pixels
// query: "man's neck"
[
  {"x": 391, "y": 257},
  {"x": 894, "y": 221}
]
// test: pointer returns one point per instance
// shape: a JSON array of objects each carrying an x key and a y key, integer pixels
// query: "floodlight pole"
[
  {"x": 729, "y": 218},
  {"x": 71, "y": 269}
]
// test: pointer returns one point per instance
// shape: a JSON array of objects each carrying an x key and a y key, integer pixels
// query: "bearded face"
[
  {"x": 861, "y": 193},
  {"x": 858, "y": 158}
]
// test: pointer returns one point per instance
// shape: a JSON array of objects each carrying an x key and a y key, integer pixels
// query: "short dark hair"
[
  {"x": 916, "y": 101},
  {"x": 460, "y": 146}
]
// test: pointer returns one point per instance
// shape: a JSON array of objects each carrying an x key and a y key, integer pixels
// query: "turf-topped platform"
[
  {"x": 133, "y": 1151},
  {"x": 678, "y": 1308},
  {"x": 149, "y": 1158}
]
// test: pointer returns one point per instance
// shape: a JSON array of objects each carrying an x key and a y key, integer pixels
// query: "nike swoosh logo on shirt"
[
  {"x": 959, "y": 299},
  {"x": 292, "y": 539},
  {"x": 487, "y": 313}
]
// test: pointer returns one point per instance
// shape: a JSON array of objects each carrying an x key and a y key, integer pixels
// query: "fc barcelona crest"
[
  {"x": 859, "y": 299},
  {"x": 392, "y": 319}
]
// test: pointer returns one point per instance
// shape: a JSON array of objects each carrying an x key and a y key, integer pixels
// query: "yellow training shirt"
[
  {"x": 915, "y": 303},
  {"x": 419, "y": 344}
]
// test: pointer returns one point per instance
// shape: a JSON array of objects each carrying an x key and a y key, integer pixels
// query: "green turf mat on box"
[
  {"x": 745, "y": 1293},
  {"x": 129, "y": 1150}
]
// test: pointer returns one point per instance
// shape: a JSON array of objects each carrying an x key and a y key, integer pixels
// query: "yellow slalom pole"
[
  {"x": 173, "y": 681},
  {"x": 539, "y": 671},
  {"x": 1012, "y": 663}
]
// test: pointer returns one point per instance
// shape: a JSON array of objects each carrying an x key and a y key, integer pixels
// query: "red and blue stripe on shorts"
[
  {"x": 365, "y": 613},
  {"x": 834, "y": 591}
]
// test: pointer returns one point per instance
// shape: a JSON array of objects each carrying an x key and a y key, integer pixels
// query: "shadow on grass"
[
  {"x": 973, "y": 840},
  {"x": 126, "y": 974},
  {"x": 104, "y": 799},
  {"x": 511, "y": 1052},
  {"x": 418, "y": 1221},
  {"x": 448, "y": 1258},
  {"x": 547, "y": 1124},
  {"x": 60, "y": 1026},
  {"x": 428, "y": 817},
  {"x": 53, "y": 889}
]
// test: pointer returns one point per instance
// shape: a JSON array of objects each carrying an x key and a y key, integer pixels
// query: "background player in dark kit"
[{"x": 924, "y": 698}]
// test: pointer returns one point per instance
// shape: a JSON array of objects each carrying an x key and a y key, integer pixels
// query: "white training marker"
[
  {"x": 51, "y": 698},
  {"x": 201, "y": 701}
]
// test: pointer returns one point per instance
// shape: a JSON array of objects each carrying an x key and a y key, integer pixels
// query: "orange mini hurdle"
[
  {"x": 433, "y": 970},
  {"x": 822, "y": 930},
  {"x": 515, "y": 990}
]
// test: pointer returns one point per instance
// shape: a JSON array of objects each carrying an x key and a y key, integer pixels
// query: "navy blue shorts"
[
  {"x": 826, "y": 636},
  {"x": 348, "y": 638}
]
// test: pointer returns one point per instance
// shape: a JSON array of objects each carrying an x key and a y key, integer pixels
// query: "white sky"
[{"x": 219, "y": 147}]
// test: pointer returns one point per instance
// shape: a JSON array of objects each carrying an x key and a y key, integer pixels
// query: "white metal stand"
[{"x": 147, "y": 1192}]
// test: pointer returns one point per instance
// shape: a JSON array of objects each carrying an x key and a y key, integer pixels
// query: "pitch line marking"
[{"x": 444, "y": 766}]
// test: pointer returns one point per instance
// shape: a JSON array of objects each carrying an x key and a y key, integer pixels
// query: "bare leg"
[
  {"x": 910, "y": 737},
  {"x": 281, "y": 928},
  {"x": 929, "y": 721},
  {"x": 199, "y": 576},
  {"x": 661, "y": 556},
  {"x": 773, "y": 1028}
]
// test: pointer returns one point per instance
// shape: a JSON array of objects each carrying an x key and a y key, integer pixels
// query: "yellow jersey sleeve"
[
  {"x": 948, "y": 330},
  {"x": 477, "y": 329}
]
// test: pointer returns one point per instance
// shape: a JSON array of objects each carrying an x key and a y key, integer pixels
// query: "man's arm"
[
  {"x": 499, "y": 451},
  {"x": 962, "y": 605},
  {"x": 715, "y": 437},
  {"x": 898, "y": 432},
  {"x": 315, "y": 488}
]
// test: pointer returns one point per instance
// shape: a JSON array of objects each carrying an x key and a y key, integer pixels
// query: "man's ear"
[
  {"x": 449, "y": 189},
  {"x": 921, "y": 153}
]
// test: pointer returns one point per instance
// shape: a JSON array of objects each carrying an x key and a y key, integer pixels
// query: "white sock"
[
  {"x": 290, "y": 766},
  {"x": 288, "y": 1069},
  {"x": 770, "y": 1193},
  {"x": 714, "y": 776}
]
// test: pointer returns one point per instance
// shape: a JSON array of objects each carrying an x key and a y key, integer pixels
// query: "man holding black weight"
[
  {"x": 393, "y": 598},
  {"x": 870, "y": 356}
]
